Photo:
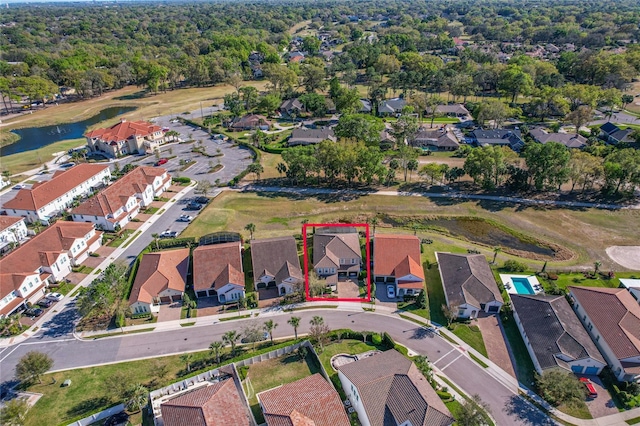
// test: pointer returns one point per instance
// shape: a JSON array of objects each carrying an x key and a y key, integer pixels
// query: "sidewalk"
[{"x": 93, "y": 275}]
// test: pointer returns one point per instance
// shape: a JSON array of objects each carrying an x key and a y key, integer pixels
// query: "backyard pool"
[{"x": 521, "y": 284}]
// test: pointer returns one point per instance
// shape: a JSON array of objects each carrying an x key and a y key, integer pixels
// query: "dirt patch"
[{"x": 627, "y": 256}]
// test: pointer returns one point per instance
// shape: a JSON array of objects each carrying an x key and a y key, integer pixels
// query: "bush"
[
  {"x": 92, "y": 254},
  {"x": 445, "y": 396},
  {"x": 514, "y": 266},
  {"x": 139, "y": 316},
  {"x": 182, "y": 179}
]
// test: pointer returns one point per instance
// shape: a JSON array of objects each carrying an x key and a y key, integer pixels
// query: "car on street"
[
  {"x": 19, "y": 186},
  {"x": 185, "y": 218},
  {"x": 201, "y": 200},
  {"x": 169, "y": 234},
  {"x": 391, "y": 292},
  {"x": 45, "y": 303},
  {"x": 161, "y": 161},
  {"x": 591, "y": 390},
  {"x": 33, "y": 312},
  {"x": 120, "y": 419},
  {"x": 66, "y": 165},
  {"x": 193, "y": 206},
  {"x": 54, "y": 296}
]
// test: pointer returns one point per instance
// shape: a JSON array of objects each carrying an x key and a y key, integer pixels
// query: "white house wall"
[{"x": 356, "y": 402}]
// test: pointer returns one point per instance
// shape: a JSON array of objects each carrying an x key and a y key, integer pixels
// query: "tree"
[
  {"x": 282, "y": 78},
  {"x": 596, "y": 266},
  {"x": 313, "y": 73},
  {"x": 203, "y": 187},
  {"x": 406, "y": 154},
  {"x": 319, "y": 330},
  {"x": 580, "y": 116},
  {"x": 496, "y": 250},
  {"x": 186, "y": 358},
  {"x": 622, "y": 170},
  {"x": 281, "y": 168},
  {"x": 216, "y": 348},
  {"x": 269, "y": 103},
  {"x": 32, "y": 366},
  {"x": 559, "y": 387},
  {"x": 252, "y": 332},
  {"x": 422, "y": 363},
  {"x": 547, "y": 164},
  {"x": 249, "y": 96},
  {"x": 311, "y": 45},
  {"x": 317, "y": 285},
  {"x": 360, "y": 127},
  {"x": 412, "y": 166},
  {"x": 269, "y": 326},
  {"x": 14, "y": 412},
  {"x": 583, "y": 168},
  {"x": 431, "y": 106},
  {"x": 295, "y": 323},
  {"x": 473, "y": 412},
  {"x": 105, "y": 294},
  {"x": 251, "y": 228},
  {"x": 495, "y": 111},
  {"x": 486, "y": 166},
  {"x": 256, "y": 169},
  {"x": 231, "y": 338},
  {"x": 432, "y": 171},
  {"x": 405, "y": 129},
  {"x": 514, "y": 81},
  {"x": 155, "y": 240},
  {"x": 314, "y": 103},
  {"x": 137, "y": 397},
  {"x": 450, "y": 313}
]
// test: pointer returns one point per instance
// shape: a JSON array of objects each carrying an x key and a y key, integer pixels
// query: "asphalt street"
[{"x": 506, "y": 407}]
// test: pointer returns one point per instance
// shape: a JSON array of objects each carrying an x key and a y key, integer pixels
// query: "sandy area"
[{"x": 627, "y": 256}]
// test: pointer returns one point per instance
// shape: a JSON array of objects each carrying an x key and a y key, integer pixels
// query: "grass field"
[
  {"x": 471, "y": 335},
  {"x": 586, "y": 232},
  {"x": 23, "y": 161}
]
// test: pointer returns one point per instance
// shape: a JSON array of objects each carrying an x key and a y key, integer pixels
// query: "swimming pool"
[{"x": 521, "y": 284}]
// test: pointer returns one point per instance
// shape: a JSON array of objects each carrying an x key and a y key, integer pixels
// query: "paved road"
[
  {"x": 506, "y": 407},
  {"x": 616, "y": 118}
]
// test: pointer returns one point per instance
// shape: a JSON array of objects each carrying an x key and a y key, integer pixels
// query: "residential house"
[
  {"x": 469, "y": 285},
  {"x": 438, "y": 139},
  {"x": 12, "y": 230},
  {"x": 365, "y": 107},
  {"x": 336, "y": 253},
  {"x": 612, "y": 318},
  {"x": 220, "y": 403},
  {"x": 396, "y": 261},
  {"x": 304, "y": 136},
  {"x": 570, "y": 140},
  {"x": 614, "y": 134},
  {"x": 391, "y": 106},
  {"x": 455, "y": 110},
  {"x": 250, "y": 122},
  {"x": 47, "y": 257},
  {"x": 276, "y": 264},
  {"x": 311, "y": 401},
  {"x": 291, "y": 107},
  {"x": 126, "y": 137},
  {"x": 554, "y": 336},
  {"x": 115, "y": 206},
  {"x": 296, "y": 56},
  {"x": 46, "y": 199},
  {"x": 633, "y": 286},
  {"x": 498, "y": 137},
  {"x": 161, "y": 278},
  {"x": 388, "y": 389},
  {"x": 4, "y": 181},
  {"x": 217, "y": 271}
]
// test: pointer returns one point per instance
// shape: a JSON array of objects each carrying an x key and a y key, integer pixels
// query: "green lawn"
[
  {"x": 151, "y": 210},
  {"x": 22, "y": 161},
  {"x": 83, "y": 269},
  {"x": 578, "y": 279},
  {"x": 120, "y": 238},
  {"x": 524, "y": 366},
  {"x": 414, "y": 309},
  {"x": 276, "y": 372},
  {"x": 63, "y": 288},
  {"x": 578, "y": 409},
  {"x": 436, "y": 295},
  {"x": 471, "y": 335}
]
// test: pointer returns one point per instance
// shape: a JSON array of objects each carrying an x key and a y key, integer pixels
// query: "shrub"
[
  {"x": 445, "y": 396},
  {"x": 182, "y": 179},
  {"x": 514, "y": 266},
  {"x": 92, "y": 254},
  {"x": 552, "y": 277}
]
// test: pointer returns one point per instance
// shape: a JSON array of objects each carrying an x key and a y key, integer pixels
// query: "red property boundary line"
[{"x": 306, "y": 262}]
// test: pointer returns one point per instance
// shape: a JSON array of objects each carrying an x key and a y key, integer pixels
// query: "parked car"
[
  {"x": 120, "y": 419},
  {"x": 45, "y": 303},
  {"x": 66, "y": 165},
  {"x": 202, "y": 200},
  {"x": 591, "y": 390},
  {"x": 54, "y": 296},
  {"x": 193, "y": 206},
  {"x": 161, "y": 161},
  {"x": 19, "y": 186},
  {"x": 391, "y": 292},
  {"x": 185, "y": 218},
  {"x": 33, "y": 312},
  {"x": 169, "y": 234}
]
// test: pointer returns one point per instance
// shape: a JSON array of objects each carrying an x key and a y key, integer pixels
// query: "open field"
[
  {"x": 585, "y": 232},
  {"x": 23, "y": 161}
]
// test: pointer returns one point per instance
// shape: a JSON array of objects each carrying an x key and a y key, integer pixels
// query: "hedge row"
[
  {"x": 181, "y": 179},
  {"x": 256, "y": 159},
  {"x": 173, "y": 242}
]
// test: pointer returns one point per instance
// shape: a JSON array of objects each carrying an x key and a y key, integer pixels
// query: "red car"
[
  {"x": 591, "y": 390},
  {"x": 161, "y": 161}
]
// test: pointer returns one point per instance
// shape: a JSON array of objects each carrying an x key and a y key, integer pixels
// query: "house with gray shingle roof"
[
  {"x": 304, "y": 136},
  {"x": 498, "y": 137},
  {"x": 469, "y": 285},
  {"x": 612, "y": 319},
  {"x": 336, "y": 253},
  {"x": 554, "y": 336},
  {"x": 570, "y": 140},
  {"x": 438, "y": 139},
  {"x": 387, "y": 389},
  {"x": 391, "y": 106},
  {"x": 276, "y": 264}
]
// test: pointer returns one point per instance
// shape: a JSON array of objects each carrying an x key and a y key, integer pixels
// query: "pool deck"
[{"x": 511, "y": 288}]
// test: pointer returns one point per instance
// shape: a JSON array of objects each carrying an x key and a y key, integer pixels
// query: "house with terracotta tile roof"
[
  {"x": 218, "y": 403},
  {"x": 336, "y": 253},
  {"x": 276, "y": 264},
  {"x": 115, "y": 206},
  {"x": 311, "y": 401},
  {"x": 126, "y": 137},
  {"x": 49, "y": 255},
  {"x": 388, "y": 389},
  {"x": 12, "y": 230},
  {"x": 161, "y": 278},
  {"x": 46, "y": 199},
  {"x": 396, "y": 261},
  {"x": 469, "y": 285},
  {"x": 612, "y": 318},
  {"x": 217, "y": 272}
]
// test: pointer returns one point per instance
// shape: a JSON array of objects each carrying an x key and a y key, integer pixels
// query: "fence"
[
  {"x": 277, "y": 353},
  {"x": 99, "y": 416}
]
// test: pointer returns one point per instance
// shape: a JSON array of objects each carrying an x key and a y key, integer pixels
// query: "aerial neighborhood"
[{"x": 292, "y": 213}]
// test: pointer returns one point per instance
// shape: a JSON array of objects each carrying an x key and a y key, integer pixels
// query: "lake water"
[{"x": 37, "y": 137}]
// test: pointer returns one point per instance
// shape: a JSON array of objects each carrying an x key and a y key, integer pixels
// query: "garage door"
[
  {"x": 271, "y": 284},
  {"x": 577, "y": 368},
  {"x": 165, "y": 299},
  {"x": 493, "y": 309},
  {"x": 202, "y": 293},
  {"x": 176, "y": 298},
  {"x": 591, "y": 370},
  {"x": 262, "y": 285}
]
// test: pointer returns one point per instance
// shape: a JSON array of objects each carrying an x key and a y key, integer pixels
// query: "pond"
[{"x": 37, "y": 137}]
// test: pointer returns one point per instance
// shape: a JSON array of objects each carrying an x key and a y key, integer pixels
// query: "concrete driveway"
[
  {"x": 348, "y": 289},
  {"x": 603, "y": 405},
  {"x": 170, "y": 312}
]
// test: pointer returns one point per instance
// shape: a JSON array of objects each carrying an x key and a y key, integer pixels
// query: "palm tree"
[
  {"x": 317, "y": 320},
  {"x": 216, "y": 347},
  {"x": 269, "y": 326},
  {"x": 155, "y": 239},
  {"x": 596, "y": 267},
  {"x": 137, "y": 397},
  {"x": 295, "y": 323},
  {"x": 251, "y": 228},
  {"x": 231, "y": 337},
  {"x": 496, "y": 250},
  {"x": 186, "y": 358},
  {"x": 281, "y": 168},
  {"x": 374, "y": 222}
]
